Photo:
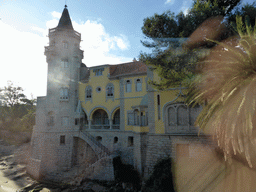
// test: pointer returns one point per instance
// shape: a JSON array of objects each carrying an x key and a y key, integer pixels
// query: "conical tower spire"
[{"x": 65, "y": 21}]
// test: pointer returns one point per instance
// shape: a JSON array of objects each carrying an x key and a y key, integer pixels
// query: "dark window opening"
[
  {"x": 100, "y": 117},
  {"x": 130, "y": 141},
  {"x": 158, "y": 99},
  {"x": 88, "y": 92},
  {"x": 76, "y": 121},
  {"x": 115, "y": 139},
  {"x": 110, "y": 91},
  {"x": 62, "y": 139},
  {"x": 99, "y": 138},
  {"x": 98, "y": 89},
  {"x": 158, "y": 107},
  {"x": 116, "y": 120}
]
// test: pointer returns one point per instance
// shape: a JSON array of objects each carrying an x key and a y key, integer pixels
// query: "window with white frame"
[
  {"x": 180, "y": 118},
  {"x": 137, "y": 118},
  {"x": 128, "y": 86},
  {"x": 131, "y": 118},
  {"x": 98, "y": 72},
  {"x": 62, "y": 140},
  {"x": 64, "y": 63},
  {"x": 64, "y": 94},
  {"x": 138, "y": 85}
]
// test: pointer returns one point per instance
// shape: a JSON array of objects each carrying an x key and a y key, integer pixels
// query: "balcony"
[
  {"x": 50, "y": 50},
  {"x": 73, "y": 33},
  {"x": 99, "y": 127},
  {"x": 115, "y": 126},
  {"x": 106, "y": 126}
]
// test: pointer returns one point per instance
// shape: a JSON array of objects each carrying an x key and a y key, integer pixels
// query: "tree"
[
  {"x": 15, "y": 107},
  {"x": 248, "y": 10},
  {"x": 161, "y": 33},
  {"x": 167, "y": 25}
]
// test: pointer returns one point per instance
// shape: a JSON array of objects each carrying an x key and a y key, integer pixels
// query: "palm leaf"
[{"x": 228, "y": 83}]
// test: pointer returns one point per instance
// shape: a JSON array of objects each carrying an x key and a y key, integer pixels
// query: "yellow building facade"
[{"x": 92, "y": 114}]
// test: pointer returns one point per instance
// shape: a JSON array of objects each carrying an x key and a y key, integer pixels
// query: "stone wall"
[
  {"x": 121, "y": 147},
  {"x": 161, "y": 146}
]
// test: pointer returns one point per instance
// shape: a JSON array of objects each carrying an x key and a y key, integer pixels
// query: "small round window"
[{"x": 98, "y": 89}]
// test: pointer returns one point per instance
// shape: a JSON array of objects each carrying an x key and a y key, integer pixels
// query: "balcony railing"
[
  {"x": 75, "y": 33},
  {"x": 101, "y": 150},
  {"x": 100, "y": 126},
  {"x": 115, "y": 126},
  {"x": 86, "y": 126}
]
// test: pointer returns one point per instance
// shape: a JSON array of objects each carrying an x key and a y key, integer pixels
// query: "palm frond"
[{"x": 228, "y": 84}]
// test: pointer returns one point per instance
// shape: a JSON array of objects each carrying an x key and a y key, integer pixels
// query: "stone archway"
[{"x": 100, "y": 119}]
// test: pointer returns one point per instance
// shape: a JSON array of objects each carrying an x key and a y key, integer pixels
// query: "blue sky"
[{"x": 110, "y": 29}]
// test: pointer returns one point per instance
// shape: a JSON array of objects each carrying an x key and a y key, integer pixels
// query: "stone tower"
[{"x": 58, "y": 114}]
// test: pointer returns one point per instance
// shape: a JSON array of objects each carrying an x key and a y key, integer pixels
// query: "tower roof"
[{"x": 65, "y": 21}]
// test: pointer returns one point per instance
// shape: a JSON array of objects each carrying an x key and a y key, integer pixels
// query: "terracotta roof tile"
[{"x": 135, "y": 67}]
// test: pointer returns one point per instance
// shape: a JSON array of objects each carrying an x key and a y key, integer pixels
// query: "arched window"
[
  {"x": 110, "y": 91},
  {"x": 116, "y": 120},
  {"x": 88, "y": 92},
  {"x": 182, "y": 114},
  {"x": 64, "y": 94},
  {"x": 100, "y": 119},
  {"x": 179, "y": 118},
  {"x": 138, "y": 85},
  {"x": 171, "y": 116},
  {"x": 128, "y": 86},
  {"x": 115, "y": 139}
]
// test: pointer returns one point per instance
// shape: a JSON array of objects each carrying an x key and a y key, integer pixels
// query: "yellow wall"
[
  {"x": 165, "y": 97},
  {"x": 99, "y": 99},
  {"x": 133, "y": 101},
  {"x": 132, "y": 98}
]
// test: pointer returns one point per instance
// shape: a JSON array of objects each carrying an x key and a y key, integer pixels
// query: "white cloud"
[
  {"x": 56, "y": 14},
  {"x": 171, "y": 2},
  {"x": 97, "y": 44},
  {"x": 185, "y": 6},
  {"x": 22, "y": 53},
  {"x": 22, "y": 59}
]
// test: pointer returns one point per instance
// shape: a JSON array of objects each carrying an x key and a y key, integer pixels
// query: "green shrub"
[{"x": 161, "y": 179}]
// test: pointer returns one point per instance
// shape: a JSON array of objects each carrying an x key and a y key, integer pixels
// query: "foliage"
[
  {"x": 161, "y": 179},
  {"x": 227, "y": 84},
  {"x": 167, "y": 25},
  {"x": 17, "y": 112},
  {"x": 125, "y": 173},
  {"x": 174, "y": 66},
  {"x": 161, "y": 33},
  {"x": 247, "y": 12}
]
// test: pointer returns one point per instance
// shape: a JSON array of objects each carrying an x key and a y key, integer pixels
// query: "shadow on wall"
[{"x": 126, "y": 174}]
